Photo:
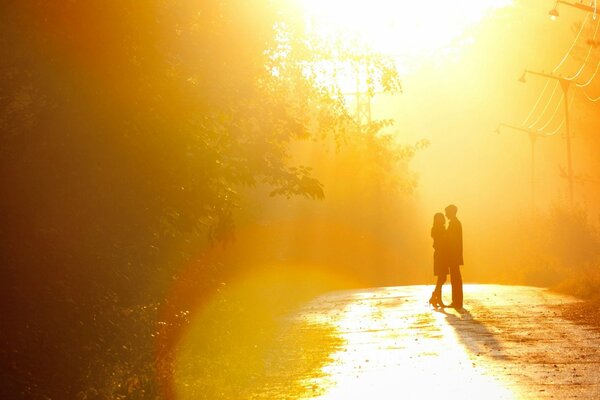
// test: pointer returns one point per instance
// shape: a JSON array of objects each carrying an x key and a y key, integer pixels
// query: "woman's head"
[{"x": 439, "y": 220}]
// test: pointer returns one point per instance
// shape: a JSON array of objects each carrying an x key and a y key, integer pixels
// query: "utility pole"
[
  {"x": 533, "y": 135},
  {"x": 362, "y": 94},
  {"x": 363, "y": 97},
  {"x": 564, "y": 84},
  {"x": 362, "y": 108}
]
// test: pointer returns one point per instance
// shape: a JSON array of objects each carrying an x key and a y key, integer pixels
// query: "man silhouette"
[{"x": 455, "y": 255}]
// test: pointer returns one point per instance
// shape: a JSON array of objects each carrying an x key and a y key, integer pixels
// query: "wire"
[
  {"x": 562, "y": 122},
  {"x": 589, "y": 81},
  {"x": 568, "y": 53},
  {"x": 543, "y": 91},
  {"x": 591, "y": 47},
  {"x": 538, "y": 102},
  {"x": 562, "y": 96},
  {"x": 587, "y": 96},
  {"x": 554, "y": 71},
  {"x": 545, "y": 107},
  {"x": 554, "y": 132}
]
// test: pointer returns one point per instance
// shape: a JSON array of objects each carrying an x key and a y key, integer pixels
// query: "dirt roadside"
[{"x": 585, "y": 313}]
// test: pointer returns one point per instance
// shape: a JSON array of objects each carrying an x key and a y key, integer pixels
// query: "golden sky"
[{"x": 460, "y": 65}]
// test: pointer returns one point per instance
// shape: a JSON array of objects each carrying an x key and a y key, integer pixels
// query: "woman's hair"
[
  {"x": 439, "y": 220},
  {"x": 439, "y": 223}
]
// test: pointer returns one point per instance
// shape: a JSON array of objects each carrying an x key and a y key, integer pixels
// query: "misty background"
[{"x": 151, "y": 157}]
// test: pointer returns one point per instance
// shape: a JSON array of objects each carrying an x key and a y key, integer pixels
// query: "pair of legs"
[
  {"x": 436, "y": 296},
  {"x": 457, "y": 289}
]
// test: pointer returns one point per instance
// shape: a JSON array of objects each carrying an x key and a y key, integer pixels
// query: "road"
[{"x": 510, "y": 342}]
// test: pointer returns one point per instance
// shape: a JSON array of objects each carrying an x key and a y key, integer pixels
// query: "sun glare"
[
  {"x": 412, "y": 31},
  {"x": 434, "y": 365}
]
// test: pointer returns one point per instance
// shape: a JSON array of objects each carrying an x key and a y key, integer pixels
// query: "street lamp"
[{"x": 554, "y": 12}]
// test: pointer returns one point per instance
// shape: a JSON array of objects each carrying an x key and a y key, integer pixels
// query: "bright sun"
[{"x": 411, "y": 30}]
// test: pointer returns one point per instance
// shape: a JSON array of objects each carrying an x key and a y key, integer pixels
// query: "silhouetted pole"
[
  {"x": 564, "y": 85},
  {"x": 533, "y": 135},
  {"x": 362, "y": 94},
  {"x": 532, "y": 139},
  {"x": 363, "y": 99}
]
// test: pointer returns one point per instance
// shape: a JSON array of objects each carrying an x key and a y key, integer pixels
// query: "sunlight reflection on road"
[
  {"x": 386, "y": 343},
  {"x": 396, "y": 347}
]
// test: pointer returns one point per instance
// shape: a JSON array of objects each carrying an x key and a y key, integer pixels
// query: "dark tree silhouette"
[{"x": 126, "y": 127}]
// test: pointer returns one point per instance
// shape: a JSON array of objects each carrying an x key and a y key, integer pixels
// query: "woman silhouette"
[{"x": 440, "y": 259}]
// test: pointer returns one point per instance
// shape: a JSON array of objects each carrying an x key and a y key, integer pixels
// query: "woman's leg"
[
  {"x": 434, "y": 300},
  {"x": 441, "y": 279}
]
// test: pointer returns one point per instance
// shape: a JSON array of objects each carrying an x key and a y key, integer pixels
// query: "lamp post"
[
  {"x": 564, "y": 84},
  {"x": 533, "y": 135}
]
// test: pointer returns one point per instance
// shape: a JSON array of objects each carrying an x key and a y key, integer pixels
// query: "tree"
[{"x": 126, "y": 127}]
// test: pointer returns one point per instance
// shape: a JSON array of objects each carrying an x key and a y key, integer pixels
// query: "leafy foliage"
[{"x": 127, "y": 133}]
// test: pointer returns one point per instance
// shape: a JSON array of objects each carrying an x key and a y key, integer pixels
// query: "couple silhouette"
[{"x": 447, "y": 257}]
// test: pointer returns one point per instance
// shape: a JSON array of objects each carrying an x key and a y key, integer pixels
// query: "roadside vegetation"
[{"x": 138, "y": 138}]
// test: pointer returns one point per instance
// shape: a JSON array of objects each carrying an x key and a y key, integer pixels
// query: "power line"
[
  {"x": 561, "y": 62},
  {"x": 588, "y": 54},
  {"x": 536, "y": 103},
  {"x": 545, "y": 107},
  {"x": 543, "y": 110},
  {"x": 564, "y": 84},
  {"x": 589, "y": 81},
  {"x": 568, "y": 53},
  {"x": 566, "y": 102},
  {"x": 562, "y": 121},
  {"x": 553, "y": 114},
  {"x": 587, "y": 96}
]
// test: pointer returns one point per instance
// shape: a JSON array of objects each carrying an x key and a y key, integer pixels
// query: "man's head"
[{"x": 451, "y": 211}]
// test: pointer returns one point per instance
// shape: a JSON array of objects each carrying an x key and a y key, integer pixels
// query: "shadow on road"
[{"x": 474, "y": 335}]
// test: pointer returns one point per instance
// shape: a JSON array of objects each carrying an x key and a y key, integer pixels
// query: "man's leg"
[{"x": 457, "y": 290}]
